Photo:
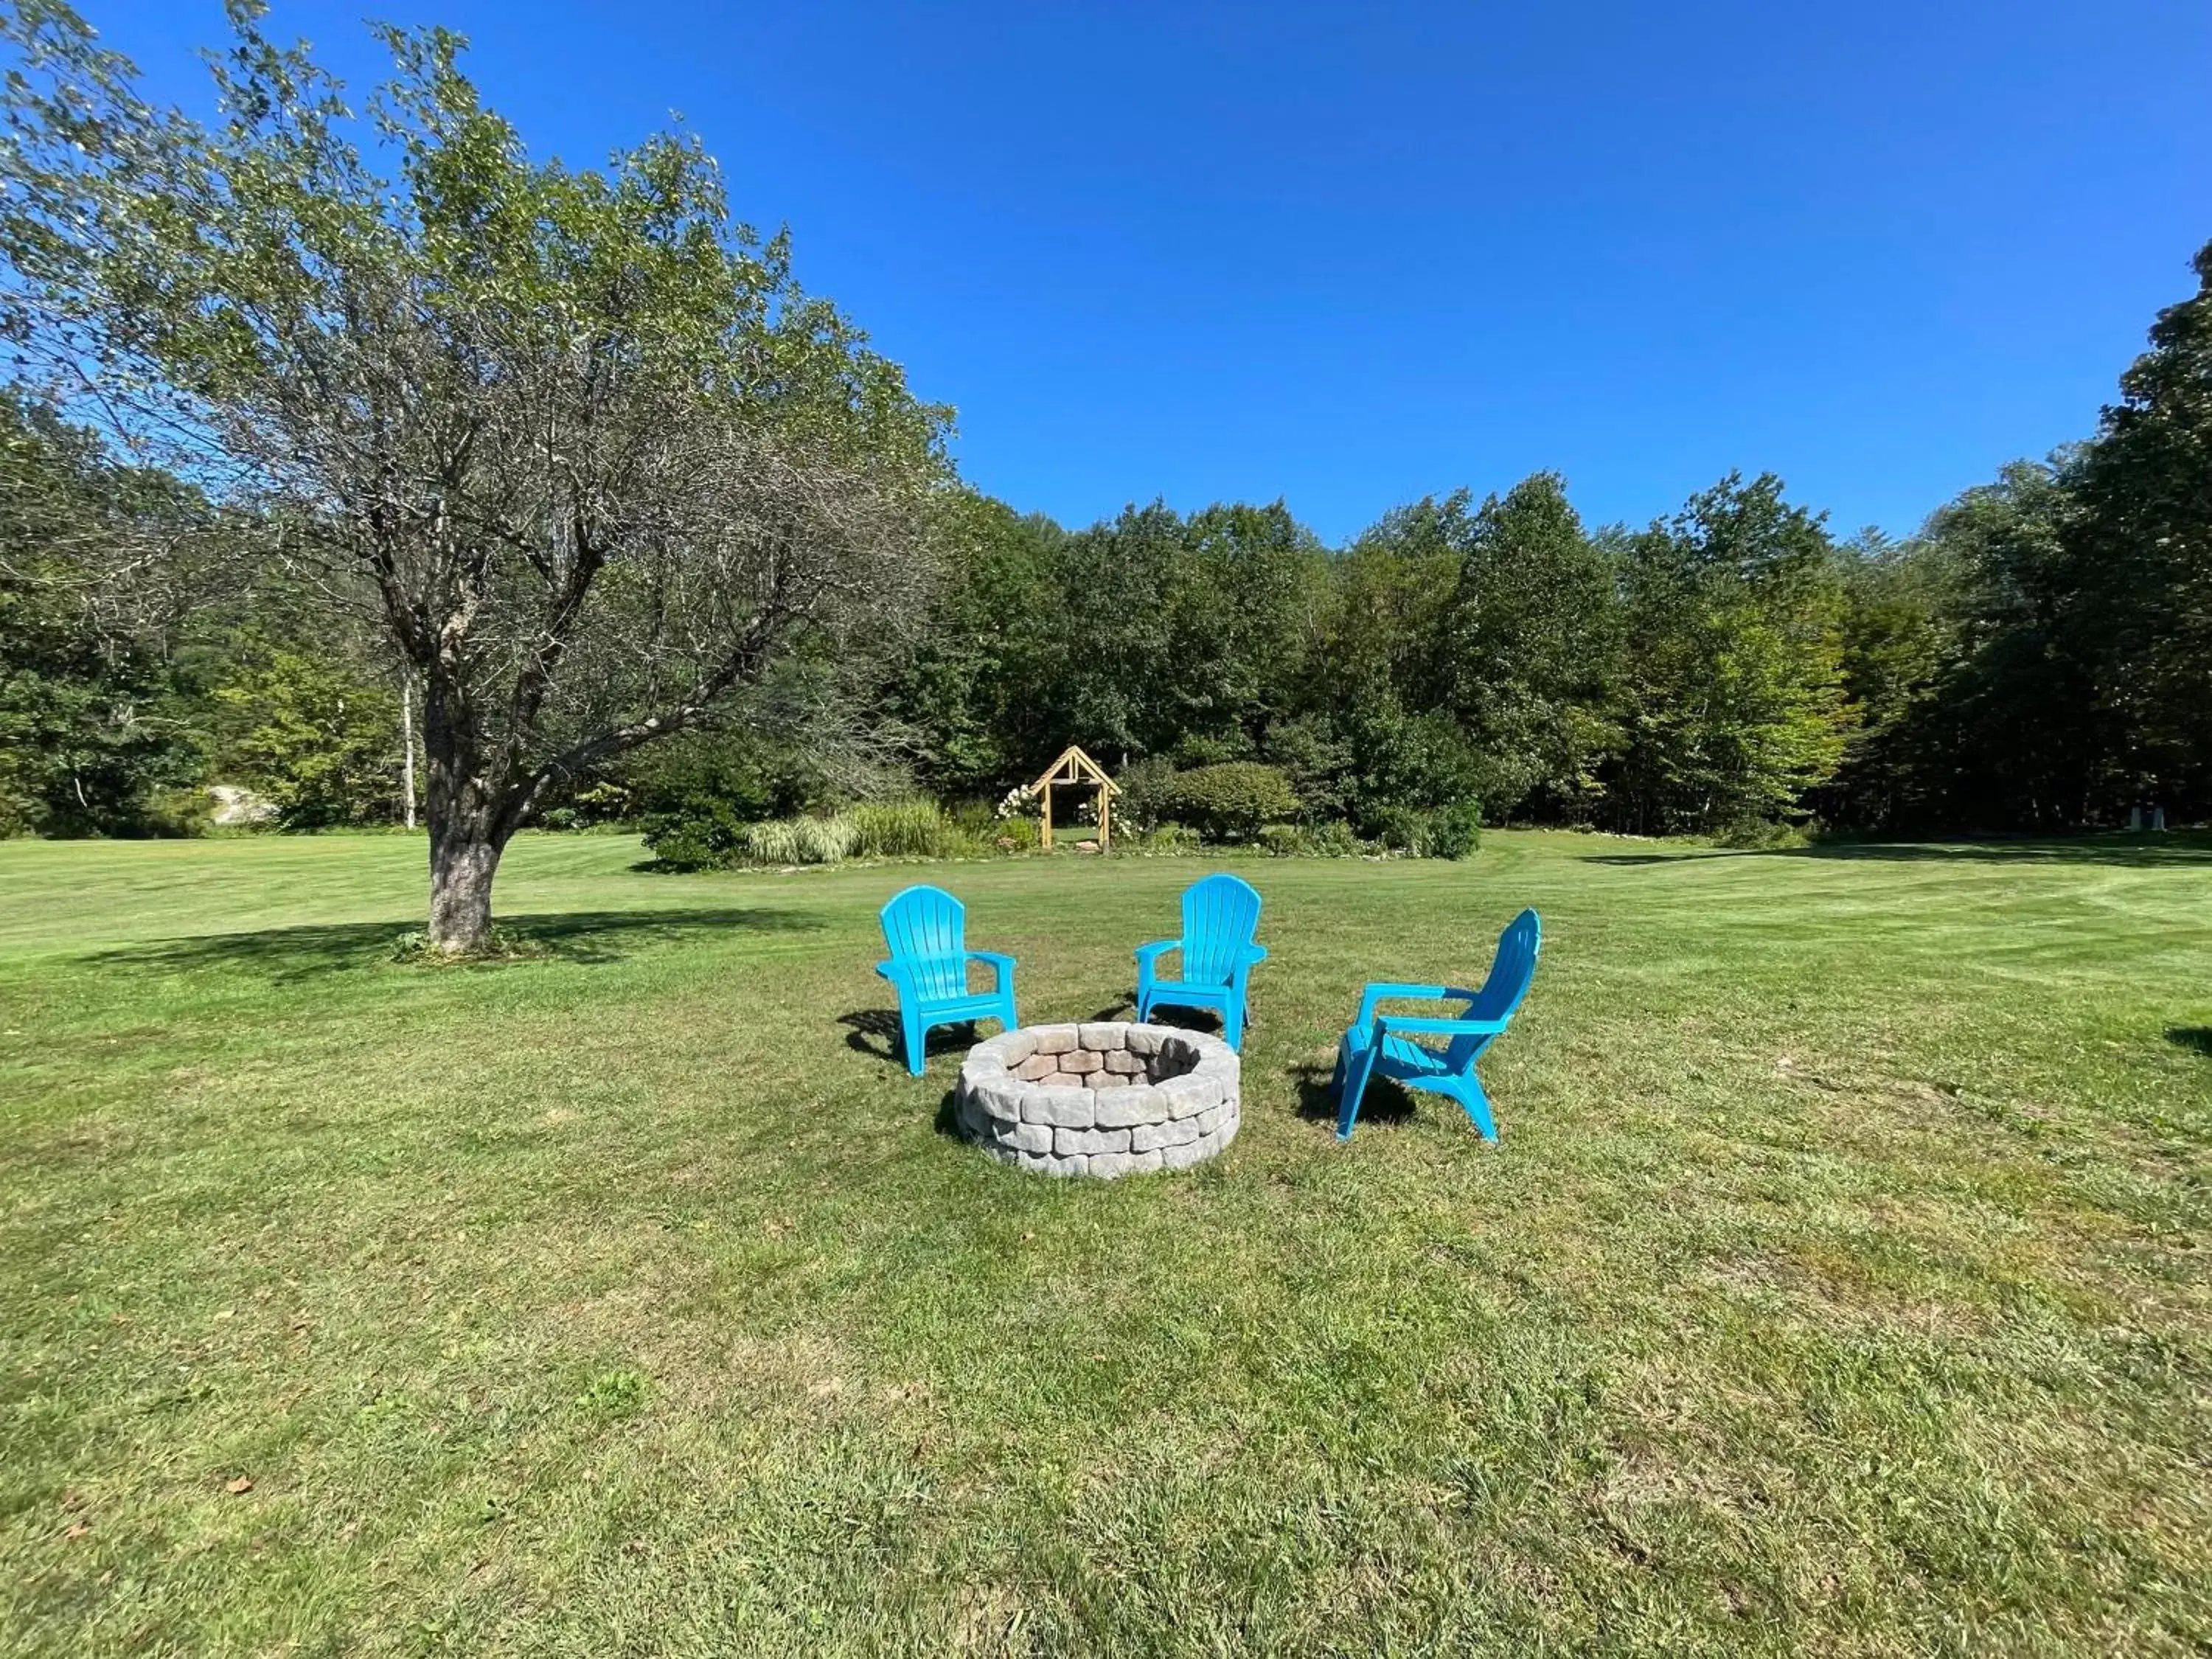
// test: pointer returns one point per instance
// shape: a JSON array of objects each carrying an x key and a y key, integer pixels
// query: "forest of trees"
[
  {"x": 2037, "y": 658},
  {"x": 2034, "y": 660}
]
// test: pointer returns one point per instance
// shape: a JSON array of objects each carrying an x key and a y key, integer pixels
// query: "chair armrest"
[
  {"x": 1241, "y": 969},
  {"x": 1001, "y": 965},
  {"x": 1148, "y": 963},
  {"x": 897, "y": 972},
  {"x": 1400, "y": 1025},
  {"x": 1386, "y": 990}
]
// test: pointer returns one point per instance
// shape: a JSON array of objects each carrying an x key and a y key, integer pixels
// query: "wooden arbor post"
[{"x": 1074, "y": 767}]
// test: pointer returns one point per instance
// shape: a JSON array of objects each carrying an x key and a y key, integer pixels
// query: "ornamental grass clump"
[
  {"x": 916, "y": 829},
  {"x": 797, "y": 841}
]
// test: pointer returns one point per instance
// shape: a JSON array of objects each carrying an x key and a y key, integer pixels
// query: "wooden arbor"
[{"x": 1076, "y": 769}]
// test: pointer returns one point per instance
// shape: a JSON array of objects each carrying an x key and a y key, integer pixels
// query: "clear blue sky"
[{"x": 1348, "y": 255}]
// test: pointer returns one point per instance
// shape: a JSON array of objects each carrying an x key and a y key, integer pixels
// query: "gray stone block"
[
  {"x": 1071, "y": 1108},
  {"x": 1055, "y": 1166},
  {"x": 1151, "y": 1137},
  {"x": 1190, "y": 1152},
  {"x": 1142, "y": 1039},
  {"x": 1037, "y": 1067},
  {"x": 1104, "y": 1037},
  {"x": 1082, "y": 1062},
  {"x": 1220, "y": 1069},
  {"x": 1001, "y": 1100},
  {"x": 1117, "y": 1109},
  {"x": 1107, "y": 1165},
  {"x": 1054, "y": 1039},
  {"x": 1015, "y": 1047},
  {"x": 1122, "y": 1063},
  {"x": 1026, "y": 1137},
  {"x": 1213, "y": 1117},
  {"x": 1068, "y": 1142},
  {"x": 1187, "y": 1097}
]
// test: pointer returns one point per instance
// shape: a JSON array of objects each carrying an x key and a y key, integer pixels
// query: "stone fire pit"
[{"x": 1100, "y": 1099}]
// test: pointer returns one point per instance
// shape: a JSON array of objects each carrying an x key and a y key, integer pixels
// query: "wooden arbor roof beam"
[{"x": 1076, "y": 769}]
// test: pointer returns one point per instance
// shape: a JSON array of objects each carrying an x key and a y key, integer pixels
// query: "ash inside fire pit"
[{"x": 1102, "y": 1098}]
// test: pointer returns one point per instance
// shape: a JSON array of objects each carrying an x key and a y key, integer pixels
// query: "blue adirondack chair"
[
  {"x": 1220, "y": 916},
  {"x": 1385, "y": 1042},
  {"x": 927, "y": 929}
]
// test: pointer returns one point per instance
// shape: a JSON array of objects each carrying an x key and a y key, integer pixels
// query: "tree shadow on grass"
[
  {"x": 571, "y": 936},
  {"x": 2176, "y": 850},
  {"x": 2198, "y": 1037}
]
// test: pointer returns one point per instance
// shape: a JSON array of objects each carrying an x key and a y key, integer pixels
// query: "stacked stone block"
[{"x": 1102, "y": 1098}]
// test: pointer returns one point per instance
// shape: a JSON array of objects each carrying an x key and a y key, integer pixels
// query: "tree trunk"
[
  {"x": 468, "y": 826},
  {"x": 462, "y": 866}
]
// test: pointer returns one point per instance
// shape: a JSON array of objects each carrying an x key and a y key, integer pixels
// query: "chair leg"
[
  {"x": 1355, "y": 1085},
  {"x": 914, "y": 1028},
  {"x": 1478, "y": 1106},
  {"x": 1232, "y": 1024}
]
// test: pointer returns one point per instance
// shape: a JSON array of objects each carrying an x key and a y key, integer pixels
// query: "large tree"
[
  {"x": 1964, "y": 657},
  {"x": 574, "y": 441},
  {"x": 971, "y": 686},
  {"x": 1732, "y": 613},
  {"x": 1528, "y": 647},
  {"x": 2139, "y": 560}
]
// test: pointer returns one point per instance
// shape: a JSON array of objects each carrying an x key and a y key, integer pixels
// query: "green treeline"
[{"x": 2036, "y": 658}]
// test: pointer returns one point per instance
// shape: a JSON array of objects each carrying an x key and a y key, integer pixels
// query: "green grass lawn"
[{"x": 1840, "y": 1284}]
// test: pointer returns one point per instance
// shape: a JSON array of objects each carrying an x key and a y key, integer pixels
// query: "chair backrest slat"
[
  {"x": 1511, "y": 970},
  {"x": 928, "y": 927},
  {"x": 1220, "y": 916}
]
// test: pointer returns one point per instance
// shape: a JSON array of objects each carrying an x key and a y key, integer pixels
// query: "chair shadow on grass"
[
  {"x": 2177, "y": 849},
  {"x": 1383, "y": 1102},
  {"x": 2198, "y": 1037},
  {"x": 589, "y": 937},
  {"x": 1207, "y": 1022},
  {"x": 877, "y": 1033}
]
